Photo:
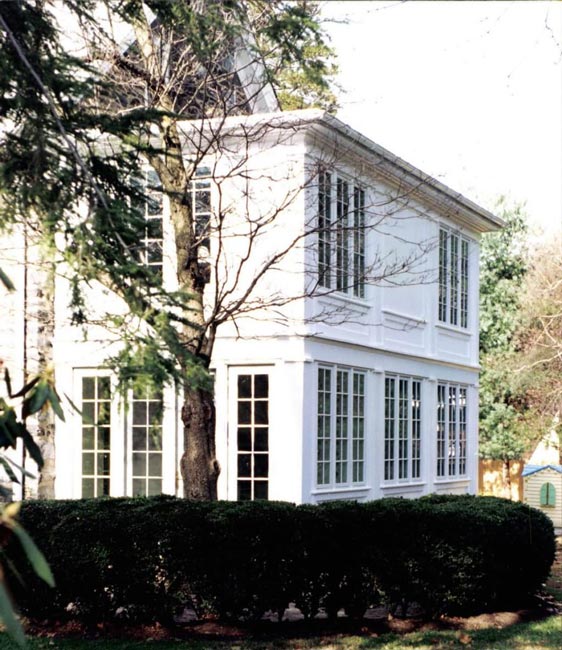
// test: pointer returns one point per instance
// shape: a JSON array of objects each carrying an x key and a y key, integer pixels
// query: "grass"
[{"x": 545, "y": 634}]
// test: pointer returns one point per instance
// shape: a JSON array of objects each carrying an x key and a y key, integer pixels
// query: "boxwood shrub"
[{"x": 148, "y": 558}]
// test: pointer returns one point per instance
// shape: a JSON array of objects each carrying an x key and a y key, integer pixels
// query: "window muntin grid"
[
  {"x": 96, "y": 435},
  {"x": 151, "y": 240},
  {"x": 358, "y": 430},
  {"x": 341, "y": 235},
  {"x": 253, "y": 436},
  {"x": 452, "y": 414},
  {"x": 340, "y": 458},
  {"x": 146, "y": 408},
  {"x": 453, "y": 283},
  {"x": 200, "y": 202},
  {"x": 324, "y": 228},
  {"x": 402, "y": 428},
  {"x": 324, "y": 426},
  {"x": 358, "y": 242},
  {"x": 342, "y": 425}
]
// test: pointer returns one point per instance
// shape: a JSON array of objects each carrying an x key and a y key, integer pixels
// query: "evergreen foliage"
[{"x": 145, "y": 559}]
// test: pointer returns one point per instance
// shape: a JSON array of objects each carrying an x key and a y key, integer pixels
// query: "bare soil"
[{"x": 377, "y": 622}]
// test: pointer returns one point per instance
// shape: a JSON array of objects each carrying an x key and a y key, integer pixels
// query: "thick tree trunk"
[{"x": 199, "y": 466}]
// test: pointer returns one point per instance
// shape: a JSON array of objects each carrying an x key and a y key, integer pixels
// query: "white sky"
[{"x": 470, "y": 92}]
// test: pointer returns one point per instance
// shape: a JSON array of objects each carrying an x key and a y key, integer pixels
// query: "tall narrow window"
[
  {"x": 253, "y": 436},
  {"x": 200, "y": 196},
  {"x": 441, "y": 424},
  {"x": 151, "y": 253},
  {"x": 342, "y": 235},
  {"x": 451, "y": 430},
  {"x": 358, "y": 432},
  {"x": 324, "y": 425},
  {"x": 146, "y": 447},
  {"x": 96, "y": 436},
  {"x": 402, "y": 429},
  {"x": 453, "y": 279},
  {"x": 324, "y": 228},
  {"x": 359, "y": 242},
  {"x": 548, "y": 495},
  {"x": 342, "y": 422},
  {"x": 340, "y": 456}
]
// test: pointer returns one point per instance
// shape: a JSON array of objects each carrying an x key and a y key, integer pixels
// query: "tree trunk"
[
  {"x": 45, "y": 418},
  {"x": 199, "y": 466}
]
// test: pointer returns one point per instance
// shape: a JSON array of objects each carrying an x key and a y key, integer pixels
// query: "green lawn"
[{"x": 537, "y": 635}]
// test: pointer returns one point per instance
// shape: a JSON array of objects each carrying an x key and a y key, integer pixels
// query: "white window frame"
[
  {"x": 341, "y": 236},
  {"x": 404, "y": 433},
  {"x": 120, "y": 451},
  {"x": 453, "y": 278},
  {"x": 453, "y": 417},
  {"x": 340, "y": 459}
]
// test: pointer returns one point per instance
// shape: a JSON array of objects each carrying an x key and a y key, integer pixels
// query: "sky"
[{"x": 469, "y": 92}]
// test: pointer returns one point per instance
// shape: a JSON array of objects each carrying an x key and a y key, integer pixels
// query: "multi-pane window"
[
  {"x": 453, "y": 279},
  {"x": 252, "y": 405},
  {"x": 324, "y": 228},
  {"x": 200, "y": 198},
  {"x": 451, "y": 430},
  {"x": 96, "y": 436},
  {"x": 151, "y": 239},
  {"x": 340, "y": 456},
  {"x": 402, "y": 428},
  {"x": 146, "y": 445},
  {"x": 341, "y": 235}
]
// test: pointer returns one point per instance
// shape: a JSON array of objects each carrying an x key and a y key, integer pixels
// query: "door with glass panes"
[{"x": 249, "y": 431}]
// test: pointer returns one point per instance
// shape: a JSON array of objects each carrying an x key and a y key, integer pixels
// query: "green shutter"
[{"x": 548, "y": 495}]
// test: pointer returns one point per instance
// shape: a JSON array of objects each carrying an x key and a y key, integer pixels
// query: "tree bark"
[
  {"x": 45, "y": 418},
  {"x": 199, "y": 467}
]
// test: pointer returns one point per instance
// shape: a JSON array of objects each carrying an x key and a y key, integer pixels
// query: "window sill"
[
  {"x": 319, "y": 491},
  {"x": 336, "y": 296},
  {"x": 452, "y": 479},
  {"x": 454, "y": 328},
  {"x": 400, "y": 486}
]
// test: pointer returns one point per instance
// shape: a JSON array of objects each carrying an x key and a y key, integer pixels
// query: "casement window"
[
  {"x": 340, "y": 458},
  {"x": 252, "y": 414},
  {"x": 96, "y": 436},
  {"x": 200, "y": 203},
  {"x": 341, "y": 235},
  {"x": 453, "y": 279},
  {"x": 151, "y": 237},
  {"x": 548, "y": 495},
  {"x": 122, "y": 444},
  {"x": 402, "y": 428},
  {"x": 451, "y": 430},
  {"x": 146, "y": 413}
]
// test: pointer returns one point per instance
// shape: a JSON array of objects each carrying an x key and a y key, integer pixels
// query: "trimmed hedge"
[{"x": 146, "y": 559}]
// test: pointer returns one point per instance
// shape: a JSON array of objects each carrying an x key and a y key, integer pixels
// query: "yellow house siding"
[{"x": 532, "y": 493}]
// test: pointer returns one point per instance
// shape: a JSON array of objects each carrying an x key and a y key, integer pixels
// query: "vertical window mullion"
[{"x": 324, "y": 228}]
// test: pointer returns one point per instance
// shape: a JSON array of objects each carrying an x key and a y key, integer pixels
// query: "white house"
[{"x": 352, "y": 369}]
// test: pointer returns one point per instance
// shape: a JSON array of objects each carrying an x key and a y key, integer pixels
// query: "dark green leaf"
[
  {"x": 54, "y": 401},
  {"x": 26, "y": 388},
  {"x": 32, "y": 447},
  {"x": 37, "y": 399},
  {"x": 9, "y": 471},
  {"x": 13, "y": 626},
  {"x": 5, "y": 280}
]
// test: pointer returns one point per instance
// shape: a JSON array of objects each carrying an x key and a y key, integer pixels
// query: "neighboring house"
[
  {"x": 542, "y": 478},
  {"x": 329, "y": 384}
]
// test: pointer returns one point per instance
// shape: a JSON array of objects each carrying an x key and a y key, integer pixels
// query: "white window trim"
[
  {"x": 408, "y": 479},
  {"x": 350, "y": 291},
  {"x": 463, "y": 274},
  {"x": 349, "y": 484},
  {"x": 447, "y": 475}
]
